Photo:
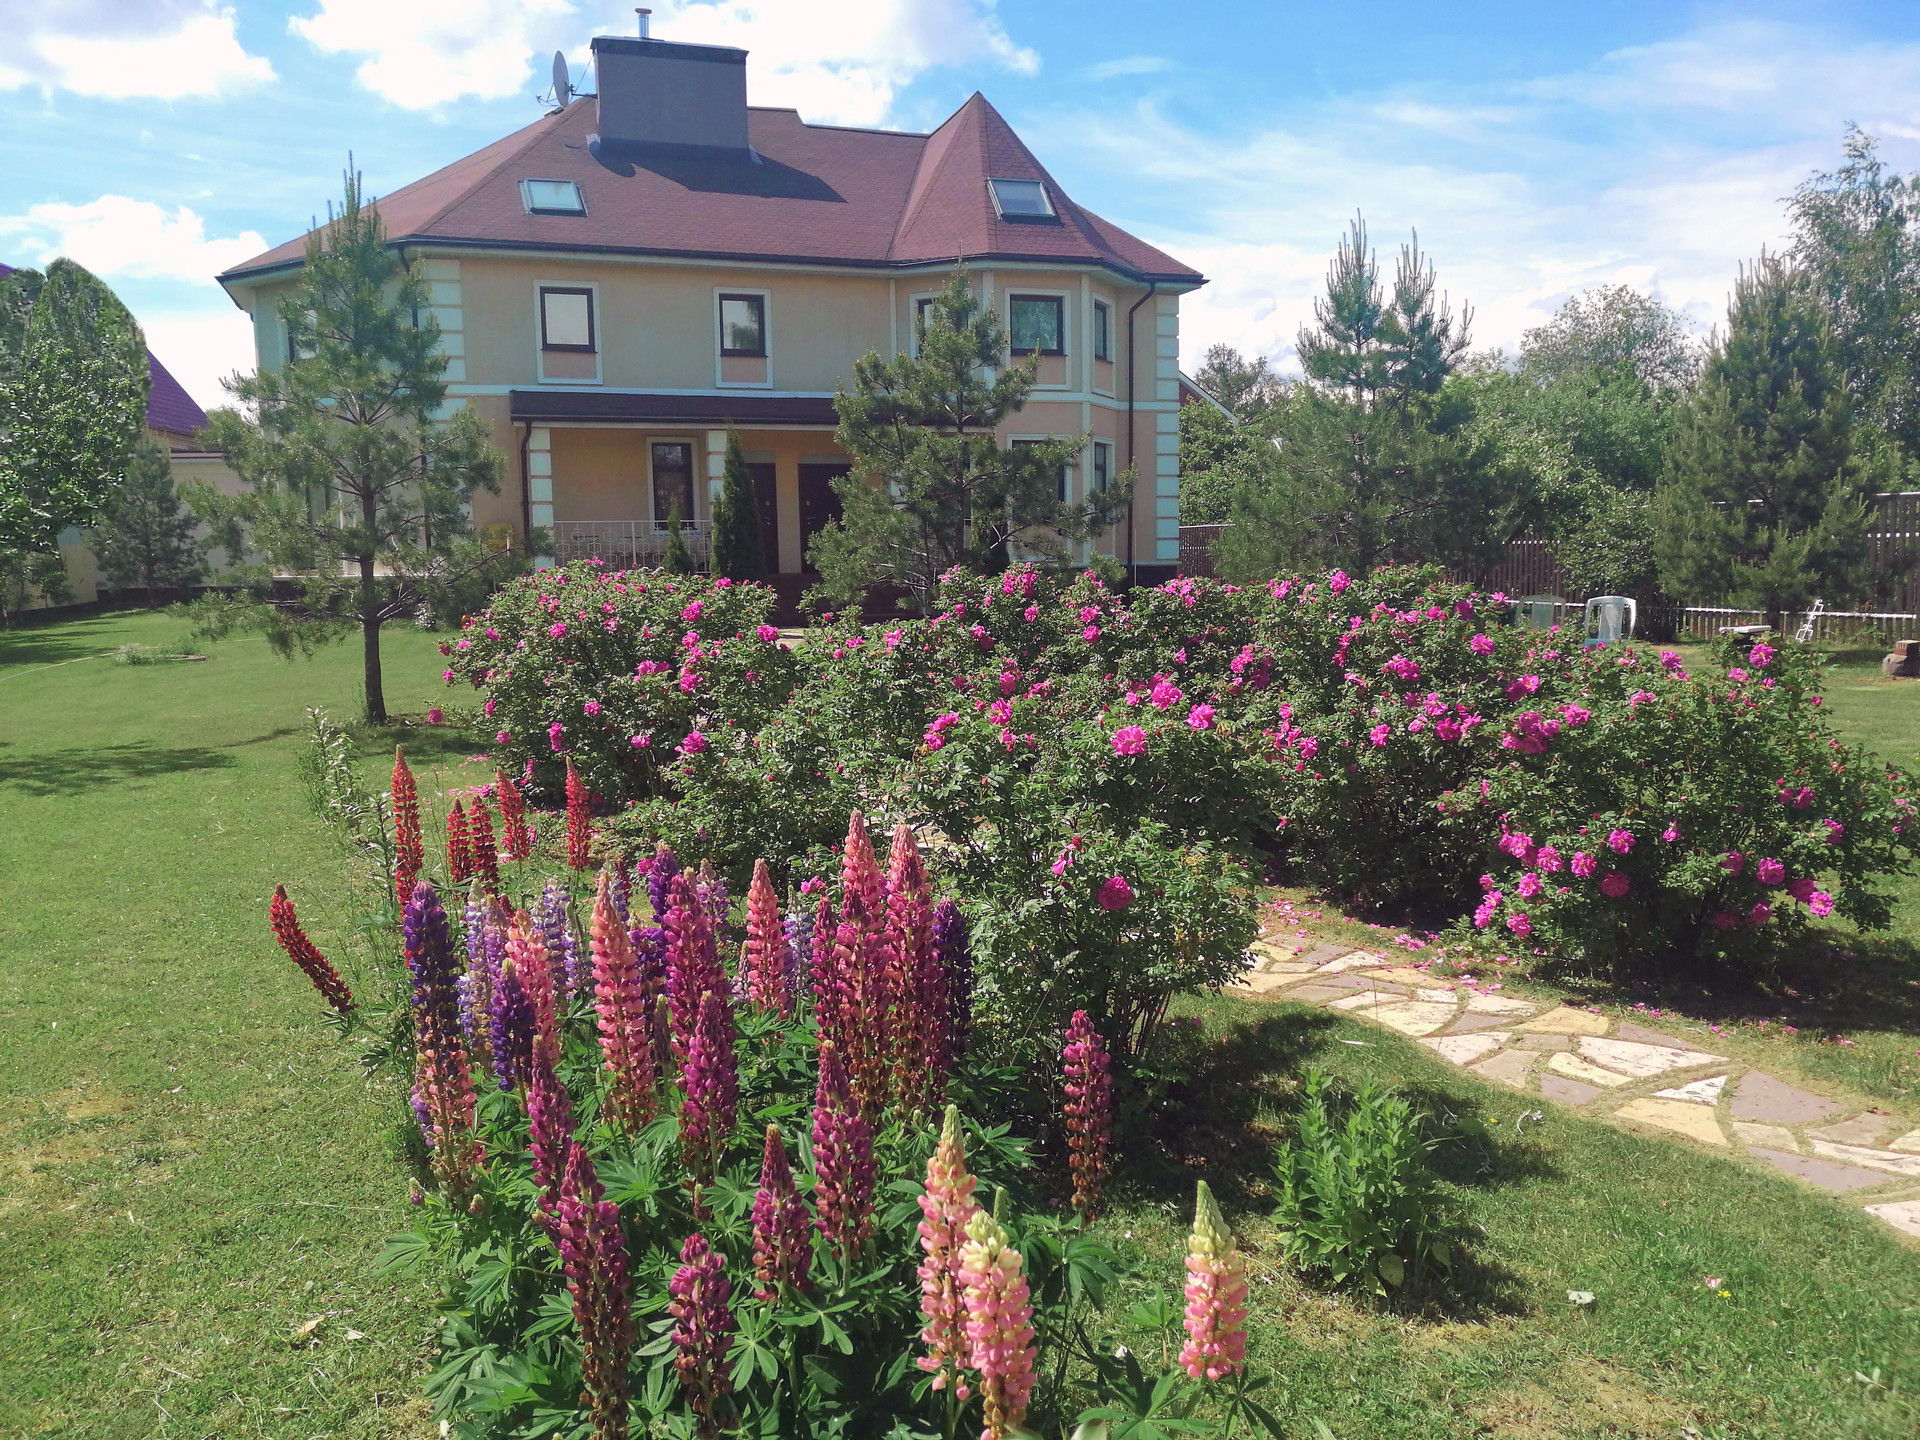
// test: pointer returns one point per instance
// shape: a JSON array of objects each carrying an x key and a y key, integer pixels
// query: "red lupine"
[
  {"x": 516, "y": 837},
  {"x": 626, "y": 1019},
  {"x": 459, "y": 850},
  {"x": 483, "y": 856},
  {"x": 1089, "y": 1113},
  {"x": 593, "y": 1252},
  {"x": 766, "y": 956},
  {"x": 304, "y": 953},
  {"x": 782, "y": 1233},
  {"x": 410, "y": 855},
  {"x": 549, "y": 1138},
  {"x": 579, "y": 825}
]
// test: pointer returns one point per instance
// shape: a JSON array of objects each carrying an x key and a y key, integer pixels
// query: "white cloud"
[
  {"x": 1129, "y": 65},
  {"x": 119, "y": 238},
  {"x": 201, "y": 348},
  {"x": 1662, "y": 167},
  {"x": 111, "y": 49},
  {"x": 837, "y": 61}
]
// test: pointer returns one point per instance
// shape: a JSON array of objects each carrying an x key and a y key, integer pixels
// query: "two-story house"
[{"x": 625, "y": 280}]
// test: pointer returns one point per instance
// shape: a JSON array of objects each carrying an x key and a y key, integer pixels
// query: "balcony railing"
[{"x": 627, "y": 544}]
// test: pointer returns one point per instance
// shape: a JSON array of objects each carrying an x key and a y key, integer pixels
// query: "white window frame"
[
  {"x": 1068, "y": 468},
  {"x": 692, "y": 442},
  {"x": 598, "y": 330},
  {"x": 1067, "y": 348},
  {"x": 1094, "y": 447},
  {"x": 526, "y": 196},
  {"x": 766, "y": 336},
  {"x": 914, "y": 302},
  {"x": 1022, "y": 217},
  {"x": 1094, "y": 307}
]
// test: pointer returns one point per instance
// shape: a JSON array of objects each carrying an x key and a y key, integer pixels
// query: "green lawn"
[{"x": 193, "y": 1167}]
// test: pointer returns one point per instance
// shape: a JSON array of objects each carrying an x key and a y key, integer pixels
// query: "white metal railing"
[
  {"x": 627, "y": 544},
  {"x": 1703, "y": 622}
]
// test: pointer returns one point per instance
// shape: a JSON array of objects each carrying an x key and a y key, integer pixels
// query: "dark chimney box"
[{"x": 660, "y": 93}]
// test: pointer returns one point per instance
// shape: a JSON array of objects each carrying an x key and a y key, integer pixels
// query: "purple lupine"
[
  {"x": 821, "y": 968},
  {"x": 442, "y": 1073},
  {"x": 514, "y": 1024},
  {"x": 572, "y": 971},
  {"x": 593, "y": 1252},
  {"x": 799, "y": 928},
  {"x": 430, "y": 965},
  {"x": 782, "y": 1234},
  {"x": 549, "y": 1138},
  {"x": 621, "y": 891},
  {"x": 476, "y": 984},
  {"x": 710, "y": 1081},
  {"x": 712, "y": 890},
  {"x": 956, "y": 965},
  {"x": 665, "y": 866},
  {"x": 702, "y": 1333},
  {"x": 842, "y": 1159}
]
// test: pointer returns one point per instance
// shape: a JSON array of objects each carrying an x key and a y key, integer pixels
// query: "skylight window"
[
  {"x": 1020, "y": 199},
  {"x": 552, "y": 197}
]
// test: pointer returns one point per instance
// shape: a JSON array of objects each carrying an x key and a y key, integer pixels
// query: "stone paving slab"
[
  {"x": 1827, "y": 1174},
  {"x": 1621, "y": 1071}
]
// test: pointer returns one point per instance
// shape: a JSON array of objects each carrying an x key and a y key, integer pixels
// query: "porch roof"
[{"x": 629, "y": 408}]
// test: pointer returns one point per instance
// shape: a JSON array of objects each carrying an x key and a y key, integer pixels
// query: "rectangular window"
[
  {"x": 1064, "y": 490},
  {"x": 566, "y": 318},
  {"x": 1036, "y": 323},
  {"x": 1020, "y": 199},
  {"x": 672, "y": 482},
  {"x": 1102, "y": 330},
  {"x": 552, "y": 197},
  {"x": 743, "y": 325},
  {"x": 1102, "y": 464}
]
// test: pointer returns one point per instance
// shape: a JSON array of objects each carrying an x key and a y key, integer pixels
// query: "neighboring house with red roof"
[{"x": 621, "y": 282}]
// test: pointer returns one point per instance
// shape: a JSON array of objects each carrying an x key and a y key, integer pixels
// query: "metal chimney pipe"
[{"x": 643, "y": 12}]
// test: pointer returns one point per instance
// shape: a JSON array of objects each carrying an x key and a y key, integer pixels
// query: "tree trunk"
[{"x": 370, "y": 643}]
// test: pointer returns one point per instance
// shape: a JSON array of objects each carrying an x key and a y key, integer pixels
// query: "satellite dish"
[{"x": 562, "y": 83}]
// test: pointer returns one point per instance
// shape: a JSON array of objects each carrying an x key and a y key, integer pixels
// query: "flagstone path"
[{"x": 1624, "y": 1072}]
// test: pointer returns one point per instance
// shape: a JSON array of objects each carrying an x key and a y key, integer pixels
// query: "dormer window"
[
  {"x": 1020, "y": 199},
  {"x": 552, "y": 197}
]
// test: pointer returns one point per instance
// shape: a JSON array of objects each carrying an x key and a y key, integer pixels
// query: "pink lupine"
[
  {"x": 622, "y": 1003},
  {"x": 914, "y": 982},
  {"x": 527, "y": 948},
  {"x": 1089, "y": 1113},
  {"x": 782, "y": 1233},
  {"x": 693, "y": 965},
  {"x": 593, "y": 1252},
  {"x": 946, "y": 1209},
  {"x": 710, "y": 1082},
  {"x": 998, "y": 1326},
  {"x": 842, "y": 1159},
  {"x": 766, "y": 957},
  {"x": 549, "y": 1138},
  {"x": 1216, "y": 1316},
  {"x": 702, "y": 1332}
]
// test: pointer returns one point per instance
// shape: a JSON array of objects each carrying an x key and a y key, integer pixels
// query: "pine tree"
[
  {"x": 1368, "y": 350},
  {"x": 931, "y": 486},
  {"x": 352, "y": 480},
  {"x": 737, "y": 542},
  {"x": 1764, "y": 504},
  {"x": 147, "y": 540}
]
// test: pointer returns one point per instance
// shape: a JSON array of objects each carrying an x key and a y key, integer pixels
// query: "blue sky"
[{"x": 1538, "y": 148}]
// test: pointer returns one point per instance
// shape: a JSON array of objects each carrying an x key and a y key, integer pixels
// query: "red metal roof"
[{"x": 819, "y": 194}]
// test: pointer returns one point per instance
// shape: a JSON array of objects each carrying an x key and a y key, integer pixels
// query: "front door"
[
  {"x": 819, "y": 502},
  {"x": 763, "y": 491}
]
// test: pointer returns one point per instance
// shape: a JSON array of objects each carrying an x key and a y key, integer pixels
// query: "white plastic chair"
[{"x": 1604, "y": 616}]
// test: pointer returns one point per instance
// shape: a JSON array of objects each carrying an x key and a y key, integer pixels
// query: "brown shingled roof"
[{"x": 820, "y": 194}]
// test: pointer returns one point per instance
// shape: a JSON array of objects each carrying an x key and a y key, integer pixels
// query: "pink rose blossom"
[
  {"x": 1200, "y": 717},
  {"x": 767, "y": 634},
  {"x": 1520, "y": 925},
  {"x": 1115, "y": 893},
  {"x": 1480, "y": 645},
  {"x": 1338, "y": 582},
  {"x": 436, "y": 717},
  {"x": 1380, "y": 733},
  {"x": 1834, "y": 831},
  {"x": 1820, "y": 903},
  {"x": 1130, "y": 740},
  {"x": 1771, "y": 871},
  {"x": 1761, "y": 913},
  {"x": 1529, "y": 886},
  {"x": 1614, "y": 884},
  {"x": 691, "y": 613},
  {"x": 694, "y": 743},
  {"x": 1620, "y": 841},
  {"x": 1548, "y": 859},
  {"x": 1582, "y": 864},
  {"x": 1734, "y": 863},
  {"x": 592, "y": 707}
]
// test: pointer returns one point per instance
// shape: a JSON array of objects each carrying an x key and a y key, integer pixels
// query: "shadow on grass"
[
  {"x": 71, "y": 772},
  {"x": 423, "y": 744}
]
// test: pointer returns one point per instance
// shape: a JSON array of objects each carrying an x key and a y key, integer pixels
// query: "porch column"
[{"x": 540, "y": 486}]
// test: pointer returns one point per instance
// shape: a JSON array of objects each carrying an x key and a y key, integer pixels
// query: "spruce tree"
[
  {"x": 676, "y": 561},
  {"x": 147, "y": 540},
  {"x": 352, "y": 480},
  {"x": 1764, "y": 504},
  {"x": 931, "y": 485},
  {"x": 737, "y": 543}
]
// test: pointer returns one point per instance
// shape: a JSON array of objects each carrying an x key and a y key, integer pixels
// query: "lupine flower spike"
[
  {"x": 999, "y": 1324},
  {"x": 782, "y": 1233},
  {"x": 626, "y": 1020},
  {"x": 955, "y": 958},
  {"x": 304, "y": 953},
  {"x": 516, "y": 837},
  {"x": 693, "y": 965},
  {"x": 526, "y": 947},
  {"x": 579, "y": 826},
  {"x": 842, "y": 1159},
  {"x": 1089, "y": 1113},
  {"x": 410, "y": 855},
  {"x": 711, "y": 1082},
  {"x": 765, "y": 956},
  {"x": 946, "y": 1209},
  {"x": 702, "y": 1331},
  {"x": 1216, "y": 1317},
  {"x": 550, "y": 1139},
  {"x": 593, "y": 1251},
  {"x": 480, "y": 846},
  {"x": 514, "y": 1027},
  {"x": 459, "y": 850},
  {"x": 442, "y": 1077},
  {"x": 919, "y": 1019},
  {"x": 571, "y": 970},
  {"x": 477, "y": 982}
]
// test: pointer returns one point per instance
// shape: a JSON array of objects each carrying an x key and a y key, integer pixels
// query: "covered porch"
[{"x": 605, "y": 473}]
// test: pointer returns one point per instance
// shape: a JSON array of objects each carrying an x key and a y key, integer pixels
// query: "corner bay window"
[
  {"x": 1102, "y": 330},
  {"x": 566, "y": 318},
  {"x": 1036, "y": 324},
  {"x": 1102, "y": 464},
  {"x": 743, "y": 325}
]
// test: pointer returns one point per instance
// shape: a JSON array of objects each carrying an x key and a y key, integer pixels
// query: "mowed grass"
[
  {"x": 190, "y": 1164},
  {"x": 193, "y": 1167}
]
